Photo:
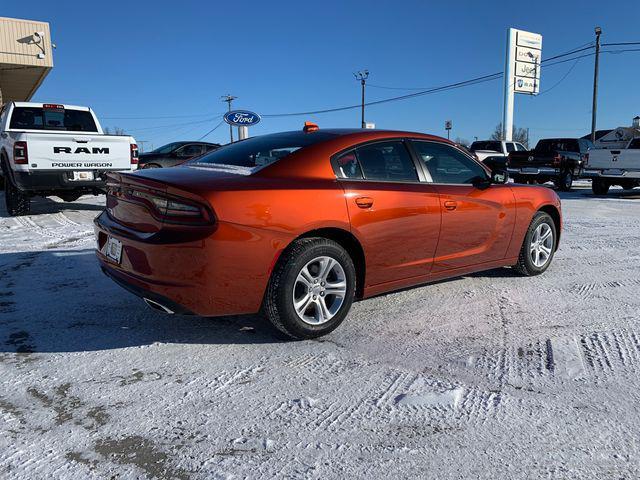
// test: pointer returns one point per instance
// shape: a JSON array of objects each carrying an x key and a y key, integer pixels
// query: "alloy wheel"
[
  {"x": 319, "y": 290},
  {"x": 541, "y": 245}
]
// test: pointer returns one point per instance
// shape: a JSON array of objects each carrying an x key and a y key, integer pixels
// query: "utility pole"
[
  {"x": 229, "y": 98},
  {"x": 594, "y": 106},
  {"x": 362, "y": 76}
]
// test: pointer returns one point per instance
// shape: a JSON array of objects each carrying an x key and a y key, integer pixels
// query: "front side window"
[
  {"x": 520, "y": 147},
  {"x": 387, "y": 161},
  {"x": 447, "y": 165},
  {"x": 38, "y": 118},
  {"x": 635, "y": 144}
]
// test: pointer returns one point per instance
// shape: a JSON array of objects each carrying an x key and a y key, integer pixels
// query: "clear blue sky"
[{"x": 154, "y": 59}]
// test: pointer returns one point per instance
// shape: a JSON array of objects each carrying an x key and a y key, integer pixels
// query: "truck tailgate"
[
  {"x": 601, "y": 159},
  {"x": 530, "y": 159},
  {"x": 62, "y": 151}
]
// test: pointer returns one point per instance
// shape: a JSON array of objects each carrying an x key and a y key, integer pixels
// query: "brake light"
[
  {"x": 52, "y": 106},
  {"x": 20, "y": 153},
  {"x": 134, "y": 154},
  {"x": 166, "y": 208},
  {"x": 585, "y": 158}
]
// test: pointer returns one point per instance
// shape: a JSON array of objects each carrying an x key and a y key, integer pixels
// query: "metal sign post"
[
  {"x": 447, "y": 126},
  {"x": 521, "y": 72}
]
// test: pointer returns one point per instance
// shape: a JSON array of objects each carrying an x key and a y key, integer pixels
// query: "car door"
[
  {"x": 477, "y": 217},
  {"x": 394, "y": 215}
]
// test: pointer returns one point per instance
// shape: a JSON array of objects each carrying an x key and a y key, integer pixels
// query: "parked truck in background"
[
  {"x": 495, "y": 148},
  {"x": 553, "y": 159},
  {"x": 57, "y": 150},
  {"x": 614, "y": 167}
]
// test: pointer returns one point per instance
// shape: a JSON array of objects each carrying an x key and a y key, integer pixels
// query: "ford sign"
[{"x": 241, "y": 118}]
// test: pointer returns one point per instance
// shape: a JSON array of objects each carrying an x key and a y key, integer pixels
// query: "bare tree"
[
  {"x": 519, "y": 134},
  {"x": 115, "y": 131},
  {"x": 462, "y": 141}
]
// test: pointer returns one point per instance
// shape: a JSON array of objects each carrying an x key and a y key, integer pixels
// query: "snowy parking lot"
[{"x": 490, "y": 375}]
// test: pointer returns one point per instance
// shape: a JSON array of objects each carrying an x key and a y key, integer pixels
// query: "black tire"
[
  {"x": 565, "y": 181},
  {"x": 18, "y": 203},
  {"x": 599, "y": 186},
  {"x": 279, "y": 298},
  {"x": 526, "y": 265}
]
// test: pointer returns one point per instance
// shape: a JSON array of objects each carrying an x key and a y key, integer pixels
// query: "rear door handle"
[
  {"x": 364, "y": 202},
  {"x": 450, "y": 205}
]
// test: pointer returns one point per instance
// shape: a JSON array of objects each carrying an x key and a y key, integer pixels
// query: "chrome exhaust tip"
[{"x": 157, "y": 306}]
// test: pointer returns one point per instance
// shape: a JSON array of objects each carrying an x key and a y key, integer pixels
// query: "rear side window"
[
  {"x": 38, "y": 118},
  {"x": 447, "y": 165},
  {"x": 510, "y": 147},
  {"x": 258, "y": 152},
  {"x": 387, "y": 161},
  {"x": 348, "y": 166}
]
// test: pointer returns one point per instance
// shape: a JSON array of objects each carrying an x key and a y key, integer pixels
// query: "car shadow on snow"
[
  {"x": 45, "y": 205},
  {"x": 60, "y": 301}
]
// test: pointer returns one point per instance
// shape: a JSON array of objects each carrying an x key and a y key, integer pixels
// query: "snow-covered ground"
[{"x": 486, "y": 376}]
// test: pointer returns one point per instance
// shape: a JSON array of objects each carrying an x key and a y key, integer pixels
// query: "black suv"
[{"x": 174, "y": 154}]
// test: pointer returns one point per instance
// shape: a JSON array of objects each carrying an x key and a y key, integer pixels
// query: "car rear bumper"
[{"x": 223, "y": 271}]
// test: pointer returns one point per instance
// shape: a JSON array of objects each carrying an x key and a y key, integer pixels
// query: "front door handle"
[
  {"x": 364, "y": 202},
  {"x": 450, "y": 205}
]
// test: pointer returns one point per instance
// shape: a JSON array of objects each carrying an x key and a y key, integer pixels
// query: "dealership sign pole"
[
  {"x": 521, "y": 72},
  {"x": 243, "y": 119}
]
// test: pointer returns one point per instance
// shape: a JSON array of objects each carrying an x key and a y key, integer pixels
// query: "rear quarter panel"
[{"x": 529, "y": 200}]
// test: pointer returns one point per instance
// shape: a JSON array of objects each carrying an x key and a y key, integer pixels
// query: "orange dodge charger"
[{"x": 299, "y": 224}]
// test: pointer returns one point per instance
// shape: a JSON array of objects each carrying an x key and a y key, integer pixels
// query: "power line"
[
  {"x": 170, "y": 126},
  {"x": 212, "y": 130},
  {"x": 158, "y": 117}
]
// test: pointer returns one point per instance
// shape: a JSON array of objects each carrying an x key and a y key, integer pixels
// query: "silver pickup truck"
[
  {"x": 608, "y": 167},
  {"x": 58, "y": 150}
]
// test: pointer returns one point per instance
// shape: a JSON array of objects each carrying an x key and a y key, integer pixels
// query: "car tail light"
[
  {"x": 166, "y": 208},
  {"x": 585, "y": 158},
  {"x": 134, "y": 154},
  {"x": 20, "y": 153}
]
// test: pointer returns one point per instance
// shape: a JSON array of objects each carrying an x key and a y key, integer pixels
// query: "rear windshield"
[
  {"x": 258, "y": 152},
  {"x": 38, "y": 118},
  {"x": 558, "y": 144},
  {"x": 492, "y": 146}
]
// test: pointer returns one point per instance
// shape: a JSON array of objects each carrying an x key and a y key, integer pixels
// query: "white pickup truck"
[
  {"x": 608, "y": 167},
  {"x": 57, "y": 150},
  {"x": 495, "y": 148}
]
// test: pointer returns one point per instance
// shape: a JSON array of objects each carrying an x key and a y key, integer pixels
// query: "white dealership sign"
[{"x": 521, "y": 72}]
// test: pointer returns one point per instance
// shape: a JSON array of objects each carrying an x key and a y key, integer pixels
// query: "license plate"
[
  {"x": 82, "y": 176},
  {"x": 113, "y": 249},
  {"x": 529, "y": 170}
]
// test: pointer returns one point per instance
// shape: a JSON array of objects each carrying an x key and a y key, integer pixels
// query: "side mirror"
[{"x": 499, "y": 177}]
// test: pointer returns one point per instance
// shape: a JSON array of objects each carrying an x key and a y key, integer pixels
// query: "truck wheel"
[
  {"x": 538, "y": 246},
  {"x": 18, "y": 203},
  {"x": 565, "y": 181},
  {"x": 311, "y": 288},
  {"x": 599, "y": 186}
]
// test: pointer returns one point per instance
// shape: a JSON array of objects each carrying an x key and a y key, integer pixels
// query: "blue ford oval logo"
[{"x": 241, "y": 118}]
